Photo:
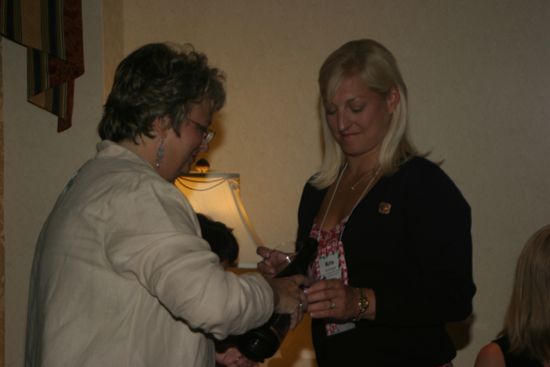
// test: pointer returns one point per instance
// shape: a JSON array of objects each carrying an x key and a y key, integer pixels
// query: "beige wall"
[
  {"x": 38, "y": 162},
  {"x": 479, "y": 87}
]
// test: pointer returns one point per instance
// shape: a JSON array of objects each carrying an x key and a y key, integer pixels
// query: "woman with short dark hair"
[{"x": 121, "y": 276}]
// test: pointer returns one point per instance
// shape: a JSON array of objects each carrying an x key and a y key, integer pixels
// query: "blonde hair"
[
  {"x": 527, "y": 321},
  {"x": 378, "y": 68}
]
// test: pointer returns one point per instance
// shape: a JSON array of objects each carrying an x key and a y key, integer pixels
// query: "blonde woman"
[
  {"x": 394, "y": 258},
  {"x": 525, "y": 338}
]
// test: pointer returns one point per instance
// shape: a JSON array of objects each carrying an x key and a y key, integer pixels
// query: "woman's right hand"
[{"x": 273, "y": 261}]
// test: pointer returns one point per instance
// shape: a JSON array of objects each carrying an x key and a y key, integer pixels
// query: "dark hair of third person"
[{"x": 220, "y": 238}]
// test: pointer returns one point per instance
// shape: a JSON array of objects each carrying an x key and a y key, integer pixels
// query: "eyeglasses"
[{"x": 207, "y": 134}]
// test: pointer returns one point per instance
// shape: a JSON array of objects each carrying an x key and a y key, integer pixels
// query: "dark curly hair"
[
  {"x": 158, "y": 80},
  {"x": 220, "y": 238}
]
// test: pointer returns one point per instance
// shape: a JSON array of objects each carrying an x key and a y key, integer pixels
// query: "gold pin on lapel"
[{"x": 384, "y": 208}]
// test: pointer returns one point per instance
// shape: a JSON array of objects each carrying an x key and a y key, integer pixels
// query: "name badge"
[{"x": 329, "y": 266}]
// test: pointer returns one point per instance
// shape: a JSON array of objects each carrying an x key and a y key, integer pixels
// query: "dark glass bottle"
[{"x": 262, "y": 342}]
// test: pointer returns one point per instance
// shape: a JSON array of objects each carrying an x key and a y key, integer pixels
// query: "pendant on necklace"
[
  {"x": 363, "y": 176},
  {"x": 352, "y": 187},
  {"x": 372, "y": 171}
]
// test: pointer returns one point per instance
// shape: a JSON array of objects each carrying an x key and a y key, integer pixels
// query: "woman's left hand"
[{"x": 331, "y": 299}]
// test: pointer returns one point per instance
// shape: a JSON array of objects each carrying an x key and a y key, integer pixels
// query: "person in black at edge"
[{"x": 525, "y": 338}]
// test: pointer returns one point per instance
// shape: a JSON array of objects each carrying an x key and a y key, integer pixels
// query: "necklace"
[
  {"x": 365, "y": 191},
  {"x": 363, "y": 175}
]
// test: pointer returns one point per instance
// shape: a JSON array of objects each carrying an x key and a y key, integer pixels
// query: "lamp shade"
[{"x": 217, "y": 195}]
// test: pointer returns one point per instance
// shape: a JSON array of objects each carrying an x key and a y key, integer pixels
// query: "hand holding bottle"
[
  {"x": 262, "y": 342},
  {"x": 289, "y": 296}
]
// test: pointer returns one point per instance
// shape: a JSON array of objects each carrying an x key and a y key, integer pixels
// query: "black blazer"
[{"x": 409, "y": 240}]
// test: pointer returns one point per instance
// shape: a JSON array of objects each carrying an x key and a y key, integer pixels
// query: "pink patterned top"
[
  {"x": 329, "y": 242},
  {"x": 331, "y": 247}
]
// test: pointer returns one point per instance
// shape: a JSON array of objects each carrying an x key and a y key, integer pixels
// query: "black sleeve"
[{"x": 436, "y": 229}]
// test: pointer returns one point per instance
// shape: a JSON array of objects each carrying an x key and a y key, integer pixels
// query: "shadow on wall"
[{"x": 460, "y": 332}]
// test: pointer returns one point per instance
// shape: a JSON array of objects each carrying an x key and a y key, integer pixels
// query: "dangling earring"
[{"x": 160, "y": 153}]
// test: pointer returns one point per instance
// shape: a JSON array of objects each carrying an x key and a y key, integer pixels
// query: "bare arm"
[{"x": 490, "y": 356}]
